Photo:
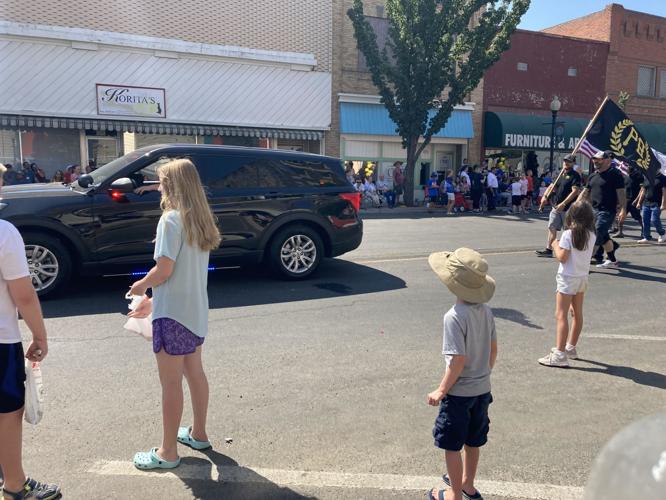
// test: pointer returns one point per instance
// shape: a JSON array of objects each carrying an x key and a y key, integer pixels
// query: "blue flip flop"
[
  {"x": 185, "y": 437},
  {"x": 146, "y": 460}
]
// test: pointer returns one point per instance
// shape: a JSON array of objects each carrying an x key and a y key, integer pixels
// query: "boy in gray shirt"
[{"x": 470, "y": 350}]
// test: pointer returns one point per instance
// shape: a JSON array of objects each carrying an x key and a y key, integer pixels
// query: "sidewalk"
[{"x": 421, "y": 211}]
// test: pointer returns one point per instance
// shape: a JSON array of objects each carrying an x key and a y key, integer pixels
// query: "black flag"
[{"x": 614, "y": 131}]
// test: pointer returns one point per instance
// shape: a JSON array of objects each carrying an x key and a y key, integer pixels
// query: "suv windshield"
[{"x": 108, "y": 170}]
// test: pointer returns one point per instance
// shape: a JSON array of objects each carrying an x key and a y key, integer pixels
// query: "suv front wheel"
[
  {"x": 49, "y": 263},
  {"x": 295, "y": 252}
]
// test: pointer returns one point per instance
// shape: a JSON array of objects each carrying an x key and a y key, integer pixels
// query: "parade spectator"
[
  {"x": 76, "y": 173},
  {"x": 433, "y": 190},
  {"x": 492, "y": 189},
  {"x": 469, "y": 350},
  {"x": 40, "y": 176},
  {"x": 27, "y": 173},
  {"x": 516, "y": 199},
  {"x": 573, "y": 251},
  {"x": 632, "y": 186},
  {"x": 398, "y": 181},
  {"x": 605, "y": 189},
  {"x": 58, "y": 176},
  {"x": 450, "y": 192},
  {"x": 17, "y": 296},
  {"x": 358, "y": 185},
  {"x": 370, "y": 190},
  {"x": 186, "y": 234},
  {"x": 384, "y": 190},
  {"x": 652, "y": 199},
  {"x": 524, "y": 186},
  {"x": 563, "y": 194},
  {"x": 530, "y": 190},
  {"x": 476, "y": 188},
  {"x": 9, "y": 176},
  {"x": 464, "y": 176}
]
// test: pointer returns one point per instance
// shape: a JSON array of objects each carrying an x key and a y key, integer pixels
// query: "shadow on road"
[
  {"x": 624, "y": 272},
  {"x": 230, "y": 288},
  {"x": 651, "y": 379},
  {"x": 515, "y": 316},
  {"x": 234, "y": 481}
]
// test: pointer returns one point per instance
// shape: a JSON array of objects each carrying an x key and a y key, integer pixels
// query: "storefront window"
[
  {"x": 51, "y": 149},
  {"x": 102, "y": 150},
  {"x": 9, "y": 149}
]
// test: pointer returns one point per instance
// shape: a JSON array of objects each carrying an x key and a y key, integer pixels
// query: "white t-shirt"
[
  {"x": 524, "y": 184},
  {"x": 491, "y": 180},
  {"x": 515, "y": 188},
  {"x": 578, "y": 263},
  {"x": 13, "y": 265}
]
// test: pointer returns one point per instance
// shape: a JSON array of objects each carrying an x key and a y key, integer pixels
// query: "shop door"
[
  {"x": 444, "y": 161},
  {"x": 102, "y": 150}
]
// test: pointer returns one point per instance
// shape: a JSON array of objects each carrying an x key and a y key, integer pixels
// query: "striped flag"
[{"x": 589, "y": 150}]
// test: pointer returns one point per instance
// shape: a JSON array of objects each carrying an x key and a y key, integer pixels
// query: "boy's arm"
[
  {"x": 450, "y": 377},
  {"x": 25, "y": 298},
  {"x": 493, "y": 353}
]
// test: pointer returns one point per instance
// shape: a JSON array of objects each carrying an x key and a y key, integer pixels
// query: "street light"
[{"x": 555, "y": 106}]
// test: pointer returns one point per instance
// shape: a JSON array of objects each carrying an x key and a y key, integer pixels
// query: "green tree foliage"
[{"x": 434, "y": 52}]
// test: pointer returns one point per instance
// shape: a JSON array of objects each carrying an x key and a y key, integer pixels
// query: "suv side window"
[
  {"x": 288, "y": 173},
  {"x": 148, "y": 174},
  {"x": 220, "y": 173}
]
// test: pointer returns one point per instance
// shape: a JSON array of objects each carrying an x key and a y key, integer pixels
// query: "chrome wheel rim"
[
  {"x": 298, "y": 254},
  {"x": 43, "y": 266}
]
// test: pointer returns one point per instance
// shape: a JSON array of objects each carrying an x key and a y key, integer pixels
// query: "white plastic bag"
[
  {"x": 33, "y": 393},
  {"x": 142, "y": 326}
]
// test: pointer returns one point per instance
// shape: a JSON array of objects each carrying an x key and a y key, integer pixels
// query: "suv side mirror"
[
  {"x": 122, "y": 185},
  {"x": 85, "y": 181}
]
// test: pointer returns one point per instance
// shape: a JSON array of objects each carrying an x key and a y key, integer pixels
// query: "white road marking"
[
  {"x": 622, "y": 337},
  {"x": 394, "y": 482}
]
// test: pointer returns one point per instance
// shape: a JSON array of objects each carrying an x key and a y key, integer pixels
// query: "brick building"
[
  {"x": 96, "y": 79},
  {"x": 636, "y": 62},
  {"x": 519, "y": 88},
  {"x": 361, "y": 130}
]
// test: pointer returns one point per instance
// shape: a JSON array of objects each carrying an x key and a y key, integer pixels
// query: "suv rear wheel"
[
  {"x": 49, "y": 262},
  {"x": 295, "y": 251}
]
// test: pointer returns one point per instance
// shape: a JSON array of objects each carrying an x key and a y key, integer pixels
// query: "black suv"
[{"x": 284, "y": 208}]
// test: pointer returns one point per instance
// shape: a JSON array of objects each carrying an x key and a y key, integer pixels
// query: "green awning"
[
  {"x": 532, "y": 132},
  {"x": 518, "y": 131}
]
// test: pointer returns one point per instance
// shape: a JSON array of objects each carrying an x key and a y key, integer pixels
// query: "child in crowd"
[
  {"x": 470, "y": 350},
  {"x": 516, "y": 198},
  {"x": 433, "y": 190},
  {"x": 524, "y": 186},
  {"x": 574, "y": 251},
  {"x": 186, "y": 234}
]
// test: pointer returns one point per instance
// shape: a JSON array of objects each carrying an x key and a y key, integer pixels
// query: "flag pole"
[{"x": 551, "y": 188}]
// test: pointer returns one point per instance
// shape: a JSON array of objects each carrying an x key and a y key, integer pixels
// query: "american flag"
[{"x": 589, "y": 150}]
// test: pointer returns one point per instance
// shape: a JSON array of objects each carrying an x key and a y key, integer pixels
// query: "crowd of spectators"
[{"x": 31, "y": 173}]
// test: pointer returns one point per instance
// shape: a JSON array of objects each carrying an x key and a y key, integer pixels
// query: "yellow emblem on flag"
[{"x": 623, "y": 134}]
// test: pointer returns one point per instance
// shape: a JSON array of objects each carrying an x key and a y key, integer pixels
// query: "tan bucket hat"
[{"x": 465, "y": 273}]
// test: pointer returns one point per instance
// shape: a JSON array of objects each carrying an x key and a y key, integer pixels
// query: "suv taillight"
[{"x": 353, "y": 198}]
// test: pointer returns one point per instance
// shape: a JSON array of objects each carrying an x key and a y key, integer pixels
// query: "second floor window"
[{"x": 646, "y": 81}]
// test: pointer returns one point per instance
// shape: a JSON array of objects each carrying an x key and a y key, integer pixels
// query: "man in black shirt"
[
  {"x": 632, "y": 186},
  {"x": 605, "y": 190},
  {"x": 563, "y": 194},
  {"x": 653, "y": 199}
]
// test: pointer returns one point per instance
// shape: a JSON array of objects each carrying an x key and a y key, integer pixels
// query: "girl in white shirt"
[{"x": 573, "y": 251}]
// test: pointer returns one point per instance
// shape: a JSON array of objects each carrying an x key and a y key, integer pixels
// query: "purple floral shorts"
[{"x": 174, "y": 338}]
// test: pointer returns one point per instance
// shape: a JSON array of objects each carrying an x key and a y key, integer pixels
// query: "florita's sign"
[{"x": 131, "y": 101}]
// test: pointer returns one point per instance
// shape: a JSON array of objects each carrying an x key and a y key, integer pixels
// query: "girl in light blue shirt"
[{"x": 186, "y": 233}]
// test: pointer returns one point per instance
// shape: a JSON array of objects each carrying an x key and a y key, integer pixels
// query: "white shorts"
[
  {"x": 451, "y": 196},
  {"x": 571, "y": 285}
]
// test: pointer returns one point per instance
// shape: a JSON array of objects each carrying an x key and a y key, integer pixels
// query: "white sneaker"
[
  {"x": 555, "y": 359},
  {"x": 609, "y": 264},
  {"x": 662, "y": 239},
  {"x": 644, "y": 240},
  {"x": 571, "y": 353}
]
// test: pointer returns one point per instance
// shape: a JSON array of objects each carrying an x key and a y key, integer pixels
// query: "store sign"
[
  {"x": 529, "y": 141},
  {"x": 131, "y": 101}
]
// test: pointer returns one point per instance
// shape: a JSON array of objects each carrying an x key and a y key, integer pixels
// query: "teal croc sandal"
[
  {"x": 146, "y": 460},
  {"x": 185, "y": 437}
]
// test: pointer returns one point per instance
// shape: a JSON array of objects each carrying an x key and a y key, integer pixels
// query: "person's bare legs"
[
  {"x": 552, "y": 236},
  {"x": 449, "y": 207},
  {"x": 577, "y": 320},
  {"x": 171, "y": 378},
  {"x": 11, "y": 437},
  {"x": 562, "y": 304},
  {"x": 198, "y": 383},
  {"x": 470, "y": 464},
  {"x": 454, "y": 469}
]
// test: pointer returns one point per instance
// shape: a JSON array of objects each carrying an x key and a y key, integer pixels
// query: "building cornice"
[{"x": 87, "y": 39}]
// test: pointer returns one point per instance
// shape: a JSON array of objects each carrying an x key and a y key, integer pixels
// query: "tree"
[{"x": 436, "y": 51}]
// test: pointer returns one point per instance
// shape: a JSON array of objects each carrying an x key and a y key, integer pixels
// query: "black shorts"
[
  {"x": 516, "y": 200},
  {"x": 12, "y": 377},
  {"x": 462, "y": 421}
]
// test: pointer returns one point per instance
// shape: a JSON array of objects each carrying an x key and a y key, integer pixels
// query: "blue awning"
[{"x": 373, "y": 119}]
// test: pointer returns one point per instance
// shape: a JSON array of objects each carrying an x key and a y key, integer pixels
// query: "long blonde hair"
[{"x": 182, "y": 190}]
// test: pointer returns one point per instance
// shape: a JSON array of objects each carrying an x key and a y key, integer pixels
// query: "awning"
[
  {"x": 373, "y": 119},
  {"x": 519, "y": 131},
  {"x": 522, "y": 131},
  {"x": 11, "y": 121}
]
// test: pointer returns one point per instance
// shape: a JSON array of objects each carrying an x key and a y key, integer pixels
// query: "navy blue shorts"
[
  {"x": 462, "y": 421},
  {"x": 12, "y": 377}
]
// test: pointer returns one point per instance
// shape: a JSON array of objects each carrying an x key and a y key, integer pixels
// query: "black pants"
[
  {"x": 476, "y": 198},
  {"x": 490, "y": 193}
]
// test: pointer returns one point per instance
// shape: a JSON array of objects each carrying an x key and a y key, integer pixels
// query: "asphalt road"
[{"x": 321, "y": 385}]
